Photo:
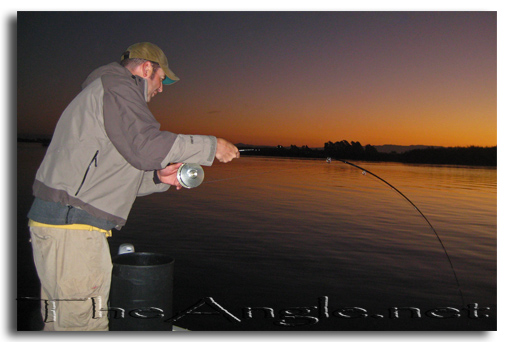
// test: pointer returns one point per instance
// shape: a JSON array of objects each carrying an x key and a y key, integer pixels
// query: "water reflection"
[{"x": 283, "y": 232}]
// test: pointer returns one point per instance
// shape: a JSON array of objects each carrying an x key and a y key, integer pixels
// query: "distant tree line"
[
  {"x": 42, "y": 141},
  {"x": 472, "y": 155},
  {"x": 351, "y": 150}
]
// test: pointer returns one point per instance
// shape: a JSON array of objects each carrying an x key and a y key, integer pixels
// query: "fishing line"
[
  {"x": 191, "y": 175},
  {"x": 364, "y": 172},
  {"x": 250, "y": 175}
]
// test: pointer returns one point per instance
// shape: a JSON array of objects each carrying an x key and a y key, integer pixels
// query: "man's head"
[{"x": 148, "y": 61}]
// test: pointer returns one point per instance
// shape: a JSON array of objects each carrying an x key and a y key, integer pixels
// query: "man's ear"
[{"x": 147, "y": 69}]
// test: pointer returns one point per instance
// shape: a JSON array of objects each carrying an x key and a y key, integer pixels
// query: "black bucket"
[{"x": 141, "y": 292}]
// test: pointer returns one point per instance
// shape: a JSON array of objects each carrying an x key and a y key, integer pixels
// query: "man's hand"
[
  {"x": 168, "y": 175},
  {"x": 226, "y": 151}
]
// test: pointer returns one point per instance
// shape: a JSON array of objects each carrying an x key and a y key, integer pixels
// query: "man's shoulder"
[{"x": 113, "y": 72}]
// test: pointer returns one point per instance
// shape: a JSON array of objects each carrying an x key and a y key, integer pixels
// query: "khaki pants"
[{"x": 74, "y": 267}]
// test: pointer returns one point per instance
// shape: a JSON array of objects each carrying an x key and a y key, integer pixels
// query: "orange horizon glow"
[{"x": 287, "y": 78}]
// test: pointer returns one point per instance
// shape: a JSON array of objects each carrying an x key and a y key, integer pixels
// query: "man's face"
[{"x": 154, "y": 83}]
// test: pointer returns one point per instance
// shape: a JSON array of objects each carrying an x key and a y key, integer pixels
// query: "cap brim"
[
  {"x": 170, "y": 77},
  {"x": 168, "y": 81}
]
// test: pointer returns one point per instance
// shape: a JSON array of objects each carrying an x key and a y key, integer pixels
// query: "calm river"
[{"x": 308, "y": 245}]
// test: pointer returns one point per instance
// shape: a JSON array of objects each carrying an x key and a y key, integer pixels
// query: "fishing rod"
[
  {"x": 192, "y": 175},
  {"x": 364, "y": 172}
]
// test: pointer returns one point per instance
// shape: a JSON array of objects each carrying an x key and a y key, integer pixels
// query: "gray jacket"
[{"x": 104, "y": 151}]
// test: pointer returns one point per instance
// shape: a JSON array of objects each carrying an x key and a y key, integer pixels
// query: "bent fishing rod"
[
  {"x": 364, "y": 172},
  {"x": 192, "y": 175}
]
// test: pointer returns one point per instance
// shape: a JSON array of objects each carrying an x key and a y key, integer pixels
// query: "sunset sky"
[{"x": 270, "y": 78}]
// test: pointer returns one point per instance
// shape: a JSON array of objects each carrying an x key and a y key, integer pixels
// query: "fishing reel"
[{"x": 190, "y": 175}]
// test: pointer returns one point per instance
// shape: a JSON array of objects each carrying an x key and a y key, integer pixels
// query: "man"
[{"x": 106, "y": 150}]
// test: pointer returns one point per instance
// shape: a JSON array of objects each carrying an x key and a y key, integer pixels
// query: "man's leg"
[{"x": 74, "y": 267}]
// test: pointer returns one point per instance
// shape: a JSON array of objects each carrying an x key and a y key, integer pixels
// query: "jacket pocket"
[{"x": 95, "y": 161}]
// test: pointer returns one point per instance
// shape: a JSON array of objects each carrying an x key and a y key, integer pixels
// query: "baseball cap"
[{"x": 152, "y": 53}]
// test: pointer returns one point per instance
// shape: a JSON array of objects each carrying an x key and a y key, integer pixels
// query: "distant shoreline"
[
  {"x": 414, "y": 154},
  {"x": 466, "y": 156}
]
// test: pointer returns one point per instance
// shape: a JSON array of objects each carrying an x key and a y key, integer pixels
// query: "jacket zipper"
[{"x": 87, "y": 170}]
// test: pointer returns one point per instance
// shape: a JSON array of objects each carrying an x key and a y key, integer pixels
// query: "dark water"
[{"x": 313, "y": 246}]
